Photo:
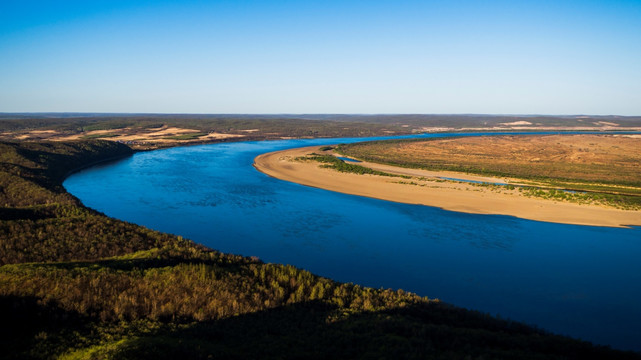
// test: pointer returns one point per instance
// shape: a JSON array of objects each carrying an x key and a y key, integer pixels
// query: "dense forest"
[{"x": 76, "y": 284}]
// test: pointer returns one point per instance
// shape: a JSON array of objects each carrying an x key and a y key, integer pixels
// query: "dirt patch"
[
  {"x": 607, "y": 158},
  {"x": 517, "y": 123},
  {"x": 137, "y": 137},
  {"x": 629, "y": 136},
  {"x": 605, "y": 123},
  {"x": 218, "y": 136}
]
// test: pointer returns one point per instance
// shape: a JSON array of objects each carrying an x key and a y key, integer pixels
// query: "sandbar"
[{"x": 425, "y": 188}]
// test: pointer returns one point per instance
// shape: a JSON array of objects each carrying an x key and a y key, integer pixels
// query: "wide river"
[{"x": 576, "y": 280}]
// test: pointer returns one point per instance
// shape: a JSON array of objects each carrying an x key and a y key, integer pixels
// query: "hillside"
[{"x": 76, "y": 284}]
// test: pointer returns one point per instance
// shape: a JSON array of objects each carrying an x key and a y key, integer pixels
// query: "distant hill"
[{"x": 421, "y": 120}]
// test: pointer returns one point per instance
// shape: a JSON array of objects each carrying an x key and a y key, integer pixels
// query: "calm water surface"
[{"x": 576, "y": 280}]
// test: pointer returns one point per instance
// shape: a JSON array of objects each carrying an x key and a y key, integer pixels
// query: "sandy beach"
[{"x": 425, "y": 188}]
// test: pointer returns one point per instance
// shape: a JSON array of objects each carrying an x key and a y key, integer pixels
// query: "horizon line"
[{"x": 85, "y": 113}]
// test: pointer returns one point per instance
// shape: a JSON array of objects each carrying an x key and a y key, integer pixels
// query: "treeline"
[
  {"x": 481, "y": 120},
  {"x": 79, "y": 285},
  {"x": 41, "y": 167},
  {"x": 184, "y": 290},
  {"x": 98, "y": 121}
]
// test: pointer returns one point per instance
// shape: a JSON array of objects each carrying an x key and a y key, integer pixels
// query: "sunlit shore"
[{"x": 425, "y": 188}]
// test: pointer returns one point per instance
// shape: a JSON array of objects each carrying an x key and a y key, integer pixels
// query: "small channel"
[
  {"x": 474, "y": 181},
  {"x": 348, "y": 159}
]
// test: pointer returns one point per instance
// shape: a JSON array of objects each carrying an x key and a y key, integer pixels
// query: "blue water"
[
  {"x": 500, "y": 184},
  {"x": 473, "y": 181},
  {"x": 576, "y": 280},
  {"x": 348, "y": 159}
]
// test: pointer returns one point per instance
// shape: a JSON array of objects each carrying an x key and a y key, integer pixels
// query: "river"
[{"x": 580, "y": 281}]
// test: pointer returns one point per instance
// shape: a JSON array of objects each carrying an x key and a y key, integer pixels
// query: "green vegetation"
[
  {"x": 190, "y": 136},
  {"x": 107, "y": 125},
  {"x": 619, "y": 201},
  {"x": 332, "y": 162},
  {"x": 75, "y": 284},
  {"x": 99, "y": 136}
]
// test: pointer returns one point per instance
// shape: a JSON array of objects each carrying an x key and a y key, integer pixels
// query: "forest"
[{"x": 76, "y": 284}]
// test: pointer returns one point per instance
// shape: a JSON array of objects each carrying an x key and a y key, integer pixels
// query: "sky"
[{"x": 368, "y": 57}]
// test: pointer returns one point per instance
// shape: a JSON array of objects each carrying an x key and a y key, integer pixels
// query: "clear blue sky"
[{"x": 499, "y": 57}]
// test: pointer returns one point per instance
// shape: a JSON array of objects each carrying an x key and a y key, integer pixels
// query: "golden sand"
[{"x": 432, "y": 191}]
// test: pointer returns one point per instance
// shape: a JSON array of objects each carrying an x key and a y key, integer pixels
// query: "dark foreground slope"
[{"x": 77, "y": 284}]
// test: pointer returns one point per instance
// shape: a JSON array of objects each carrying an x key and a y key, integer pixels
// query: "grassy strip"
[
  {"x": 617, "y": 201},
  {"x": 99, "y": 136},
  {"x": 622, "y": 202},
  {"x": 332, "y": 162},
  {"x": 191, "y": 136}
]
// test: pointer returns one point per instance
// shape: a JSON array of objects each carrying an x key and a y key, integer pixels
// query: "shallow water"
[
  {"x": 473, "y": 181},
  {"x": 577, "y": 280},
  {"x": 348, "y": 159}
]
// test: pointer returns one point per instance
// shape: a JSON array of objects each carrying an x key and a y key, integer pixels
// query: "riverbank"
[{"x": 427, "y": 188}]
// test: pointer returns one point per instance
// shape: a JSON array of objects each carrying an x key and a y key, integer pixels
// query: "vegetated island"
[{"x": 573, "y": 179}]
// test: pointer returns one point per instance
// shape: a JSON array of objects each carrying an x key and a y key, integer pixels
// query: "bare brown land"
[
  {"x": 425, "y": 187},
  {"x": 598, "y": 158},
  {"x": 139, "y": 138}
]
